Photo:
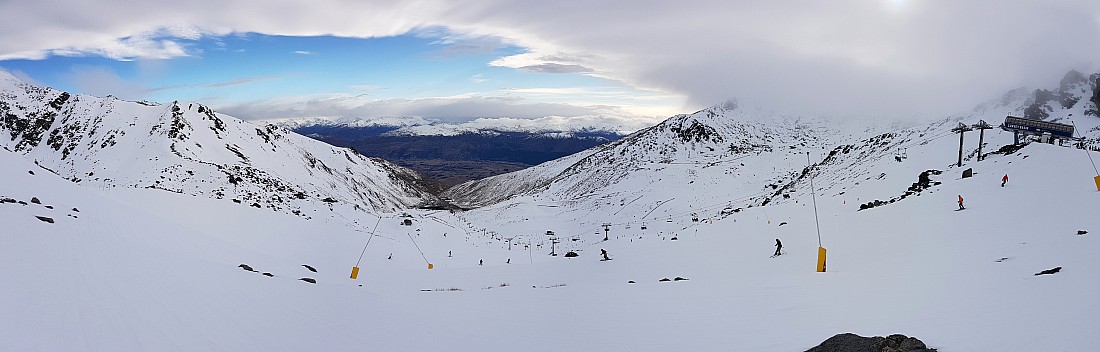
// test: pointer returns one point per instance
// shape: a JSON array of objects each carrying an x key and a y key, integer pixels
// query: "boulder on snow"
[
  {"x": 44, "y": 219},
  {"x": 309, "y": 280},
  {"x": 310, "y": 268},
  {"x": 246, "y": 267},
  {"x": 849, "y": 342},
  {"x": 35, "y": 200},
  {"x": 571, "y": 254},
  {"x": 268, "y": 274},
  {"x": 1081, "y": 232},
  {"x": 968, "y": 173}
]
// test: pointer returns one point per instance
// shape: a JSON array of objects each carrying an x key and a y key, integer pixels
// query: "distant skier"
[
  {"x": 961, "y": 207},
  {"x": 603, "y": 252},
  {"x": 1004, "y": 180},
  {"x": 778, "y": 248},
  {"x": 481, "y": 262}
]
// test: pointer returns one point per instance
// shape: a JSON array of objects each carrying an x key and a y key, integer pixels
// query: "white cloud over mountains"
[{"x": 894, "y": 57}]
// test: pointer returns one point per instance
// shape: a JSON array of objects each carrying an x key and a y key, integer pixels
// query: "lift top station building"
[{"x": 1046, "y": 130}]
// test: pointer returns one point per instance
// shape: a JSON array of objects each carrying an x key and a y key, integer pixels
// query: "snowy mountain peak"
[{"x": 188, "y": 148}]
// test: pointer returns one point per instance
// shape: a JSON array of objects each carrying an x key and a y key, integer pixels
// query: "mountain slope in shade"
[{"x": 190, "y": 149}]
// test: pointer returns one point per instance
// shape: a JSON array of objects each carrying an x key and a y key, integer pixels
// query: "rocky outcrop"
[{"x": 849, "y": 342}]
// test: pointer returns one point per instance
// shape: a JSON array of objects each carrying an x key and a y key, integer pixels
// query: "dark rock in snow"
[
  {"x": 1081, "y": 232},
  {"x": 571, "y": 254},
  {"x": 7, "y": 200},
  {"x": 310, "y": 268},
  {"x": 309, "y": 280},
  {"x": 44, "y": 219},
  {"x": 968, "y": 173},
  {"x": 1049, "y": 271},
  {"x": 664, "y": 279},
  {"x": 268, "y": 274},
  {"x": 631, "y": 282},
  {"x": 679, "y": 279},
  {"x": 30, "y": 172},
  {"x": 246, "y": 267},
  {"x": 35, "y": 200},
  {"x": 782, "y": 223},
  {"x": 49, "y": 207},
  {"x": 76, "y": 210},
  {"x": 849, "y": 342}
]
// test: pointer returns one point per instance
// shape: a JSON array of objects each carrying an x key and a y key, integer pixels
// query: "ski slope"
[{"x": 153, "y": 270}]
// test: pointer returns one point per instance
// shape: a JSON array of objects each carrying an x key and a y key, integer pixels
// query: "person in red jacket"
[
  {"x": 961, "y": 207},
  {"x": 1004, "y": 180}
]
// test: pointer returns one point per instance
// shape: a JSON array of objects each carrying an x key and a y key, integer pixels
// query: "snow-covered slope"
[
  {"x": 188, "y": 148},
  {"x": 98, "y": 278},
  {"x": 133, "y": 268}
]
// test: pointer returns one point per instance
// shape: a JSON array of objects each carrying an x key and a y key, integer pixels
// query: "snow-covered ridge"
[{"x": 190, "y": 149}]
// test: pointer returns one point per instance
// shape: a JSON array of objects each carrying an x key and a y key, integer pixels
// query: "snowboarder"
[
  {"x": 961, "y": 207},
  {"x": 603, "y": 252},
  {"x": 778, "y": 248},
  {"x": 1004, "y": 180}
]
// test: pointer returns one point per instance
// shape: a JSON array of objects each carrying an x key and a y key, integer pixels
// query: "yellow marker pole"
[
  {"x": 1097, "y": 179},
  {"x": 430, "y": 266},
  {"x": 820, "y": 259},
  {"x": 354, "y": 272}
]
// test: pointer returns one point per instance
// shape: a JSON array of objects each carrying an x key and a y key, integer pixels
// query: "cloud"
[
  {"x": 229, "y": 83},
  {"x": 303, "y": 52},
  {"x": 99, "y": 81},
  {"x": 551, "y": 67},
  {"x": 837, "y": 57},
  {"x": 451, "y": 109}
]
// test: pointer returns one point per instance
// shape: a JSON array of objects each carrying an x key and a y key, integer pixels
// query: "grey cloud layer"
[{"x": 843, "y": 57}]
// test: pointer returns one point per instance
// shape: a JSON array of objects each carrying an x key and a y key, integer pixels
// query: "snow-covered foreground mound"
[{"x": 138, "y": 269}]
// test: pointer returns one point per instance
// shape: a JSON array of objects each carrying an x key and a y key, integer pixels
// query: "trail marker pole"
[
  {"x": 813, "y": 195},
  {"x": 355, "y": 269}
]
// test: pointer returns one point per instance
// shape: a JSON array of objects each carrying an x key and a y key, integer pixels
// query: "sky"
[{"x": 634, "y": 62}]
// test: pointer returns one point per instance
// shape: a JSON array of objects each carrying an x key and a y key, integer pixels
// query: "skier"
[
  {"x": 961, "y": 207},
  {"x": 481, "y": 262},
  {"x": 603, "y": 252},
  {"x": 778, "y": 248},
  {"x": 1004, "y": 180}
]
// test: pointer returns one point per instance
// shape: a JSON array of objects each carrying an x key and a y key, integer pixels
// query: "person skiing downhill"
[
  {"x": 961, "y": 207},
  {"x": 778, "y": 248},
  {"x": 1004, "y": 180}
]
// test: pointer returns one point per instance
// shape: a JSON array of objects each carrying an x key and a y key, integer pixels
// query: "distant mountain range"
[{"x": 454, "y": 153}]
